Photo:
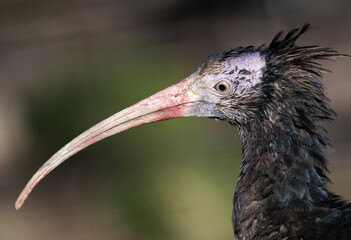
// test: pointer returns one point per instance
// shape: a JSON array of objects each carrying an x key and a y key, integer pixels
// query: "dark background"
[{"x": 67, "y": 64}]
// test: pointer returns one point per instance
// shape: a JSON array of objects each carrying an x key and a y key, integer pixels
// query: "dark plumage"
[
  {"x": 275, "y": 98},
  {"x": 281, "y": 192}
]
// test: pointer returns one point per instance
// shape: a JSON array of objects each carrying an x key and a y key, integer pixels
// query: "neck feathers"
[
  {"x": 285, "y": 143},
  {"x": 282, "y": 180}
]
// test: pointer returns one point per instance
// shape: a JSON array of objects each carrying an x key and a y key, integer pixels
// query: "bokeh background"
[{"x": 67, "y": 64}]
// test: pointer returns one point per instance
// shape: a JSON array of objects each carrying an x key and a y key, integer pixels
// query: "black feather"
[{"x": 283, "y": 149}]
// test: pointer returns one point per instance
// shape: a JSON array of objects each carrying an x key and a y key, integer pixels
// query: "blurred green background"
[{"x": 66, "y": 65}]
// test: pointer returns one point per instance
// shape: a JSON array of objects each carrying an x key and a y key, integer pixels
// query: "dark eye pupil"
[{"x": 222, "y": 87}]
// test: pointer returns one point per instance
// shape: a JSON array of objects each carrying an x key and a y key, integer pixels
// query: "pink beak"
[{"x": 174, "y": 102}]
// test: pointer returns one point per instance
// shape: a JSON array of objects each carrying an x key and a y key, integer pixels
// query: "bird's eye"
[{"x": 222, "y": 87}]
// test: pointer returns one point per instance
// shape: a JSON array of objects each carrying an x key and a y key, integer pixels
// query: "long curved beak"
[{"x": 174, "y": 102}]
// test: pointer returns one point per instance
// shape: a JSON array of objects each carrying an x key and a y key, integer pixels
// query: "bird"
[{"x": 275, "y": 98}]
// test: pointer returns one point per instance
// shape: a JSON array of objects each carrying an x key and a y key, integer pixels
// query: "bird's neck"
[
  {"x": 281, "y": 174},
  {"x": 283, "y": 162}
]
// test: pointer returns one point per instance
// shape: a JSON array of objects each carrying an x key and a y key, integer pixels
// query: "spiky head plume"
[{"x": 278, "y": 102}]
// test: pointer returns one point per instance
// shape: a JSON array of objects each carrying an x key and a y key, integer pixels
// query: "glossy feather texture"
[{"x": 281, "y": 192}]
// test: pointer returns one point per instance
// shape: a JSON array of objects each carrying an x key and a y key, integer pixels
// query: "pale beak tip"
[
  {"x": 18, "y": 204},
  {"x": 20, "y": 201}
]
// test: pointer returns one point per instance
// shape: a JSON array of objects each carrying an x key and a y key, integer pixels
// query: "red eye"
[{"x": 222, "y": 87}]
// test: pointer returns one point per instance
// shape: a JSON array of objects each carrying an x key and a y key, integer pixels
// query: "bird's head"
[
  {"x": 231, "y": 82},
  {"x": 236, "y": 86}
]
